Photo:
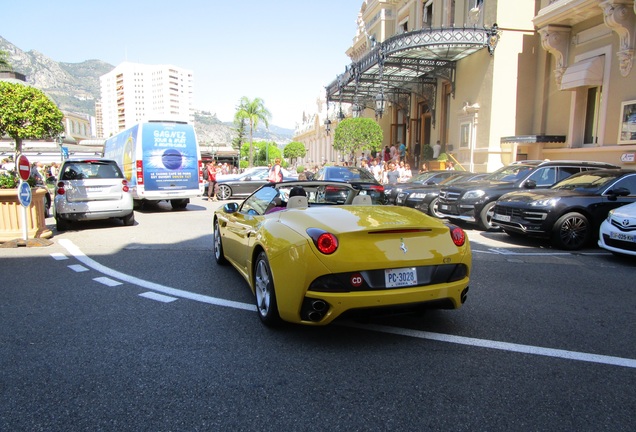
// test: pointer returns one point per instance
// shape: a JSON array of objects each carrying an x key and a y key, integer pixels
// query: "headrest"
[
  {"x": 362, "y": 200},
  {"x": 298, "y": 201}
]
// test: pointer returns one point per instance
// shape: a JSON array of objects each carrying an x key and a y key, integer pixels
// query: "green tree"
[
  {"x": 294, "y": 150},
  {"x": 354, "y": 134},
  {"x": 27, "y": 113},
  {"x": 4, "y": 61},
  {"x": 239, "y": 128},
  {"x": 268, "y": 151},
  {"x": 252, "y": 111}
]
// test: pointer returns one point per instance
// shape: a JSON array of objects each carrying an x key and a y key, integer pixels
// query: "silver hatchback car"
[{"x": 91, "y": 189}]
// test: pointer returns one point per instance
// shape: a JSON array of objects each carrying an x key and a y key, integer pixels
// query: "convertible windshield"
[{"x": 589, "y": 181}]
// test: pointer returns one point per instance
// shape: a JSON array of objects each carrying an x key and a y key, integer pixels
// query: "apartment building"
[
  {"x": 134, "y": 92},
  {"x": 493, "y": 80}
]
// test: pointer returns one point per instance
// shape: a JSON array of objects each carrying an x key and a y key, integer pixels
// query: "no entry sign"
[{"x": 24, "y": 168}]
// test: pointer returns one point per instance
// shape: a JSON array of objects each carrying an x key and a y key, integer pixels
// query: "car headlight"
[
  {"x": 546, "y": 202},
  {"x": 474, "y": 194},
  {"x": 609, "y": 215}
]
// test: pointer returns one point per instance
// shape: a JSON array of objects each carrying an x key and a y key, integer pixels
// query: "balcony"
[{"x": 567, "y": 12}]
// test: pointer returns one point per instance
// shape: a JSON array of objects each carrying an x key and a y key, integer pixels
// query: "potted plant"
[{"x": 442, "y": 159}]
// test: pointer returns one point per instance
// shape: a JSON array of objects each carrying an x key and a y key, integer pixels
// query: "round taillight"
[
  {"x": 124, "y": 185},
  {"x": 326, "y": 242},
  {"x": 458, "y": 235},
  {"x": 60, "y": 188}
]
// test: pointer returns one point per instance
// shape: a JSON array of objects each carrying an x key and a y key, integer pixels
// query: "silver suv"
[{"x": 91, "y": 189}]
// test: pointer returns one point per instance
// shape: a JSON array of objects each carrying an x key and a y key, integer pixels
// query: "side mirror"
[
  {"x": 613, "y": 194},
  {"x": 530, "y": 184},
  {"x": 248, "y": 178},
  {"x": 231, "y": 207}
]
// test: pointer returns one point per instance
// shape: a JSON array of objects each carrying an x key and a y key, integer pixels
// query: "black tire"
[
  {"x": 571, "y": 231},
  {"x": 179, "y": 204},
  {"x": 129, "y": 220},
  {"x": 265, "y": 293},
  {"x": 61, "y": 224},
  {"x": 224, "y": 192},
  {"x": 432, "y": 209},
  {"x": 217, "y": 245},
  {"x": 484, "y": 221}
]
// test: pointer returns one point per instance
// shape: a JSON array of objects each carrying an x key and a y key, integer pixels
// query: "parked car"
[
  {"x": 359, "y": 178},
  {"x": 312, "y": 261},
  {"x": 246, "y": 183},
  {"x": 474, "y": 202},
  {"x": 617, "y": 233},
  {"x": 91, "y": 189},
  {"x": 570, "y": 212},
  {"x": 424, "y": 198},
  {"x": 427, "y": 178}
]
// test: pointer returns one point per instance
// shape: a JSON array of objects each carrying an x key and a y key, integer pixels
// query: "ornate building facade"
[{"x": 494, "y": 81}]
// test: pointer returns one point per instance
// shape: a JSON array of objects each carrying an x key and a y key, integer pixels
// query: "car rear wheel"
[
  {"x": 129, "y": 220},
  {"x": 61, "y": 224},
  {"x": 571, "y": 232},
  {"x": 224, "y": 192},
  {"x": 265, "y": 293},
  {"x": 219, "y": 256},
  {"x": 485, "y": 217}
]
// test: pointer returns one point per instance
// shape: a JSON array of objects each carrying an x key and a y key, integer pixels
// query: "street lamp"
[
  {"x": 327, "y": 126},
  {"x": 379, "y": 104}
]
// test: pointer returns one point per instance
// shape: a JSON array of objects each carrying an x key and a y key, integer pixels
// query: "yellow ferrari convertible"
[{"x": 313, "y": 250}]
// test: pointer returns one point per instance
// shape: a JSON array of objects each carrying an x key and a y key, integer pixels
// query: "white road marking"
[
  {"x": 80, "y": 256},
  {"x": 78, "y": 268},
  {"x": 440, "y": 337},
  {"x": 159, "y": 297},
  {"x": 59, "y": 256},
  {"x": 107, "y": 281}
]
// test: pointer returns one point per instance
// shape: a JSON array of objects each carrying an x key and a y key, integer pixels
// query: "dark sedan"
[
  {"x": 359, "y": 178},
  {"x": 424, "y": 198},
  {"x": 427, "y": 178},
  {"x": 571, "y": 211},
  {"x": 245, "y": 184}
]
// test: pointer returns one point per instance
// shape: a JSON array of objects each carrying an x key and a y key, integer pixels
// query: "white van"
[{"x": 161, "y": 161}]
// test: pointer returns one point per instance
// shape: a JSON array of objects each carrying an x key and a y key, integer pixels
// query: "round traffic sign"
[
  {"x": 24, "y": 168},
  {"x": 24, "y": 194}
]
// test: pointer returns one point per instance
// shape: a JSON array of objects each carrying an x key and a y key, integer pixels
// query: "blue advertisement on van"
[{"x": 171, "y": 160}]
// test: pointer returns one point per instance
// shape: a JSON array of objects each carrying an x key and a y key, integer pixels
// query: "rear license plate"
[
  {"x": 623, "y": 237},
  {"x": 503, "y": 218},
  {"x": 94, "y": 189},
  {"x": 400, "y": 277}
]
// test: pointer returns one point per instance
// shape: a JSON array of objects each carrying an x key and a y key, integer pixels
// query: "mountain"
[{"x": 75, "y": 88}]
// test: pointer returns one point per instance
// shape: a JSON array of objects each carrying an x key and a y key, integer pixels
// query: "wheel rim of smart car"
[
  {"x": 573, "y": 231},
  {"x": 224, "y": 192},
  {"x": 262, "y": 283}
]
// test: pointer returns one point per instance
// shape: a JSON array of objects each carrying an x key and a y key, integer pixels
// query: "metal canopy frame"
[{"x": 410, "y": 63}]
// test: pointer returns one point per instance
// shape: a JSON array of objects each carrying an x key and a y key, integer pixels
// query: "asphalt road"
[{"x": 114, "y": 328}]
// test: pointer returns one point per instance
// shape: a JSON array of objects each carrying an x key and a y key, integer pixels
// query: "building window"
[
  {"x": 464, "y": 134},
  {"x": 448, "y": 13},
  {"x": 590, "y": 135},
  {"x": 475, "y": 13},
  {"x": 427, "y": 14}
]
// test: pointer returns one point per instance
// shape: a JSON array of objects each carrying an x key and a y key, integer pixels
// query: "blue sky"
[{"x": 283, "y": 51}]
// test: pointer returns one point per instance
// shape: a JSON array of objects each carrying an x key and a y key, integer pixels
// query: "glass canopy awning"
[{"x": 409, "y": 63}]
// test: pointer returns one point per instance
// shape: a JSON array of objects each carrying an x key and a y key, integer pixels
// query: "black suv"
[{"x": 474, "y": 202}]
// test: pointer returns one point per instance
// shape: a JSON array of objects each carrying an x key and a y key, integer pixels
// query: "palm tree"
[{"x": 252, "y": 111}]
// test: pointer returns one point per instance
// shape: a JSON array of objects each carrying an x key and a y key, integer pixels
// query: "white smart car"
[
  {"x": 617, "y": 233},
  {"x": 91, "y": 189}
]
